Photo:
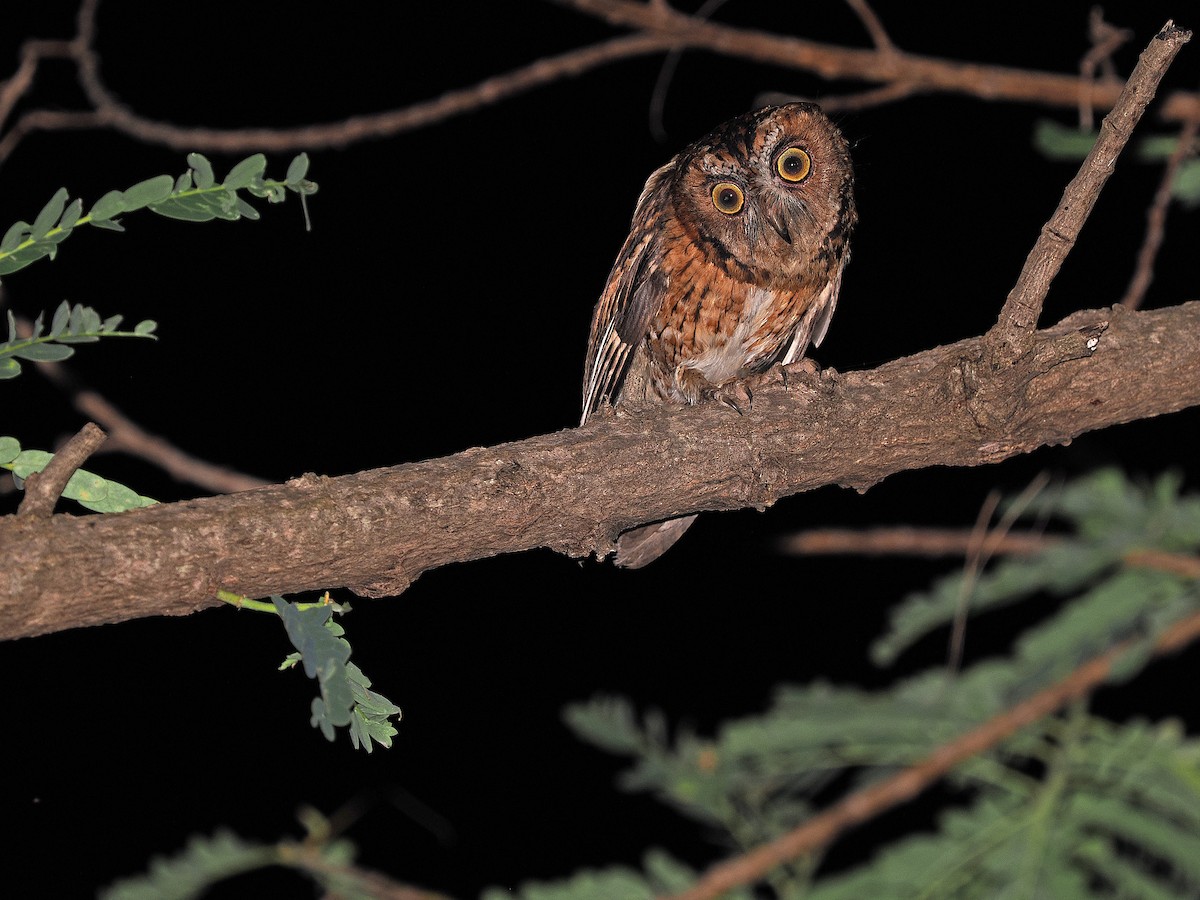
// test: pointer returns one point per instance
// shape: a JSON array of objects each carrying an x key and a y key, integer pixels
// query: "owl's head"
[{"x": 768, "y": 192}]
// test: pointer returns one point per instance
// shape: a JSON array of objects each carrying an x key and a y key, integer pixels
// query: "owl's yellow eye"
[
  {"x": 793, "y": 164},
  {"x": 728, "y": 198}
]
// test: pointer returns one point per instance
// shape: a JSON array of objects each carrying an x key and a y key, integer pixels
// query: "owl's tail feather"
[{"x": 642, "y": 546}]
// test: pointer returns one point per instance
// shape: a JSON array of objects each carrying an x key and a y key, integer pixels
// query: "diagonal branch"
[
  {"x": 574, "y": 490},
  {"x": 822, "y": 829},
  {"x": 1011, "y": 337}
]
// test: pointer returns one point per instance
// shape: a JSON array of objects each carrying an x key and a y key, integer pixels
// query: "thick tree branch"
[{"x": 573, "y": 491}]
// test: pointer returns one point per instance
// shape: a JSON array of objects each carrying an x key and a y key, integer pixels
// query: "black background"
[{"x": 441, "y": 302}]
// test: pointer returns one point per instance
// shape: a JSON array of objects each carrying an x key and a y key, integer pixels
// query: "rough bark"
[{"x": 574, "y": 490}]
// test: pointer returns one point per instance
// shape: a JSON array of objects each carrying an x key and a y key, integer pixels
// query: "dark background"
[{"x": 441, "y": 302}]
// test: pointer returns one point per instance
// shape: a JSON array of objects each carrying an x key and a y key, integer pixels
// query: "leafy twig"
[
  {"x": 194, "y": 196},
  {"x": 76, "y": 324}
]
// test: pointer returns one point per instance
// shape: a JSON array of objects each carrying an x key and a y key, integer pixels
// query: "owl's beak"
[{"x": 776, "y": 220}]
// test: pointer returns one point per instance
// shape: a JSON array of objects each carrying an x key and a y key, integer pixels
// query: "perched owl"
[{"x": 733, "y": 264}]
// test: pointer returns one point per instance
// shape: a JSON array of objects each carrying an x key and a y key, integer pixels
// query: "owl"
[{"x": 733, "y": 263}]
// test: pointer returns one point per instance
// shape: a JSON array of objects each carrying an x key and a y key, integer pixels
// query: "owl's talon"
[
  {"x": 734, "y": 394},
  {"x": 803, "y": 373}
]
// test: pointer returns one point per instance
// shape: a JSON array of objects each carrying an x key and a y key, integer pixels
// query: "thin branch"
[
  {"x": 971, "y": 569},
  {"x": 1176, "y": 563},
  {"x": 659, "y": 29},
  {"x": 870, "y": 21},
  {"x": 1156, "y": 216},
  {"x": 42, "y": 489},
  {"x": 1010, "y": 338},
  {"x": 840, "y": 103},
  {"x": 109, "y": 112},
  {"x": 981, "y": 548},
  {"x": 32, "y": 53},
  {"x": 1106, "y": 40},
  {"x": 860, "y": 100},
  {"x": 909, "y": 541},
  {"x": 127, "y": 436},
  {"x": 836, "y": 62},
  {"x": 658, "y": 97},
  {"x": 861, "y": 806}
]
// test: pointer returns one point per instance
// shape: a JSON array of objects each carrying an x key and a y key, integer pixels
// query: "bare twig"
[
  {"x": 1010, "y": 338},
  {"x": 126, "y": 435},
  {"x": 1156, "y": 217},
  {"x": 42, "y": 489},
  {"x": 860, "y": 100},
  {"x": 1176, "y": 563},
  {"x": 971, "y": 569},
  {"x": 909, "y": 541},
  {"x": 981, "y": 549},
  {"x": 109, "y": 112},
  {"x": 658, "y": 97},
  {"x": 659, "y": 29},
  {"x": 836, "y": 62},
  {"x": 870, "y": 21},
  {"x": 32, "y": 53},
  {"x": 822, "y": 829},
  {"x": 1106, "y": 40}
]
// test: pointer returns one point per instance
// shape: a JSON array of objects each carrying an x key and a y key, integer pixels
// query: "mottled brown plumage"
[{"x": 733, "y": 263}]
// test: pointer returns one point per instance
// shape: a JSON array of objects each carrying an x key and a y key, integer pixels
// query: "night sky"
[{"x": 441, "y": 302}]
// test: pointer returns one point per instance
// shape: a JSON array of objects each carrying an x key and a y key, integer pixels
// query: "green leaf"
[
  {"x": 90, "y": 490},
  {"x": 372, "y": 713},
  {"x": 245, "y": 172},
  {"x": 1061, "y": 142},
  {"x": 203, "y": 170},
  {"x": 1186, "y": 186},
  {"x": 50, "y": 214},
  {"x": 297, "y": 169},
  {"x": 9, "y": 448},
  {"x": 152, "y": 190},
  {"x": 14, "y": 236},
  {"x": 145, "y": 327},
  {"x": 62, "y": 316},
  {"x": 44, "y": 352},
  {"x": 106, "y": 207},
  {"x": 107, "y": 224},
  {"x": 245, "y": 209},
  {"x": 325, "y": 655},
  {"x": 71, "y": 216},
  {"x": 9, "y": 368}
]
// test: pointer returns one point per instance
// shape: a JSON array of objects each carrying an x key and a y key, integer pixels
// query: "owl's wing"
[
  {"x": 815, "y": 321},
  {"x": 634, "y": 291}
]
